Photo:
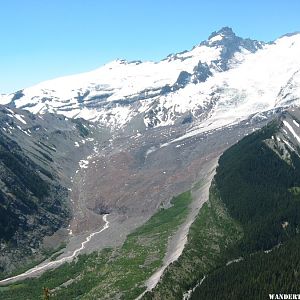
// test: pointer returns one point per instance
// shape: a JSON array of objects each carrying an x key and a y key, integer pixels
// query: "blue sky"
[{"x": 45, "y": 39}]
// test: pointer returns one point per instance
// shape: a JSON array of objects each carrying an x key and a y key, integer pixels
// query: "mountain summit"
[
  {"x": 223, "y": 32},
  {"x": 222, "y": 80}
]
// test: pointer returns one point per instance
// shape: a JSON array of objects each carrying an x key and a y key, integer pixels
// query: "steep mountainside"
[
  {"x": 236, "y": 244},
  {"x": 265, "y": 172},
  {"x": 34, "y": 181},
  {"x": 32, "y": 203}
]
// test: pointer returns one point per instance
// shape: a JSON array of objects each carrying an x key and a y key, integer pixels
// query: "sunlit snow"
[{"x": 256, "y": 82}]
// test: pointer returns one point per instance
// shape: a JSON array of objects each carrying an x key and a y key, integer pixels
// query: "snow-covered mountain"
[
  {"x": 236, "y": 85},
  {"x": 219, "y": 82}
]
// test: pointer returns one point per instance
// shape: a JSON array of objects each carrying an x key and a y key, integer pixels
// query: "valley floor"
[{"x": 130, "y": 179}]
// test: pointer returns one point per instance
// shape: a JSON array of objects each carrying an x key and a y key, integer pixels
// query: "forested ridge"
[
  {"x": 260, "y": 191},
  {"x": 245, "y": 240}
]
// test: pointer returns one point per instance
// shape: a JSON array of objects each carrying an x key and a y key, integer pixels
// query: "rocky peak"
[
  {"x": 225, "y": 32},
  {"x": 230, "y": 44}
]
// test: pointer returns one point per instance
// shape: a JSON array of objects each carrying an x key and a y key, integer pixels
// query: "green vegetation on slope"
[
  {"x": 261, "y": 192},
  {"x": 111, "y": 272},
  {"x": 210, "y": 235},
  {"x": 254, "y": 184},
  {"x": 258, "y": 193},
  {"x": 257, "y": 276}
]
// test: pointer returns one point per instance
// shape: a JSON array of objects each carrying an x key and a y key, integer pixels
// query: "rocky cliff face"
[{"x": 36, "y": 156}]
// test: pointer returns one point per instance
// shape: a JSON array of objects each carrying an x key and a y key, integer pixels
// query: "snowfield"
[{"x": 116, "y": 93}]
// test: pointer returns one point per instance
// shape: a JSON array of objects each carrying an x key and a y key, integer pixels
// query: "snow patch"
[
  {"x": 288, "y": 144},
  {"x": 83, "y": 164},
  {"x": 296, "y": 123},
  {"x": 20, "y": 118},
  {"x": 216, "y": 38},
  {"x": 290, "y": 128},
  {"x": 150, "y": 150}
]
